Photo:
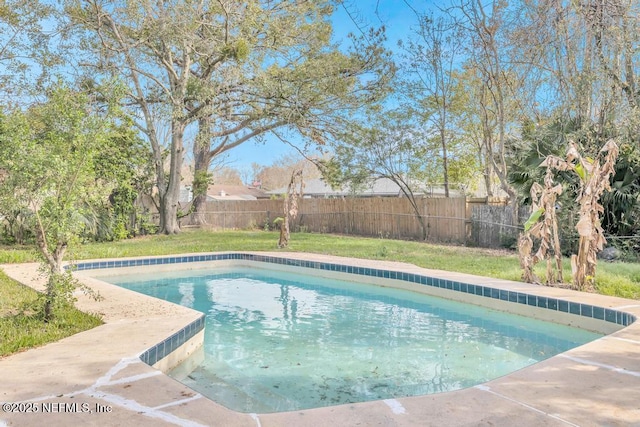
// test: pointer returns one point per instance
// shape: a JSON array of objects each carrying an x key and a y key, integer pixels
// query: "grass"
[
  {"x": 19, "y": 330},
  {"x": 16, "y": 254},
  {"x": 22, "y": 328},
  {"x": 617, "y": 279}
]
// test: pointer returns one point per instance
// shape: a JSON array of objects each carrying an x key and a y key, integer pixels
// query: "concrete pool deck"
[{"x": 96, "y": 377}]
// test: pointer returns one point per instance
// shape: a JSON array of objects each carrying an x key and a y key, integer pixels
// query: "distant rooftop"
[
  {"x": 235, "y": 192},
  {"x": 226, "y": 192},
  {"x": 381, "y": 187}
]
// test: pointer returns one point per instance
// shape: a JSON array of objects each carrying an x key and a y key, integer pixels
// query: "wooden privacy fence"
[
  {"x": 494, "y": 226},
  {"x": 445, "y": 218},
  {"x": 477, "y": 222}
]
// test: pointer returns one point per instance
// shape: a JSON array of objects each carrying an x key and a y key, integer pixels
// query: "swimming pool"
[{"x": 281, "y": 341}]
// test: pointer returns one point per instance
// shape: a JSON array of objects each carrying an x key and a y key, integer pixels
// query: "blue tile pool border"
[{"x": 164, "y": 348}]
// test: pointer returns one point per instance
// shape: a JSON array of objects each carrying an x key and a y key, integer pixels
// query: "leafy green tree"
[
  {"x": 124, "y": 160},
  {"x": 234, "y": 69},
  {"x": 240, "y": 106},
  {"x": 303, "y": 85},
  {"x": 151, "y": 47},
  {"x": 49, "y": 156}
]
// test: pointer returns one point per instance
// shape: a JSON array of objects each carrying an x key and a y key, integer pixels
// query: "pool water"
[{"x": 280, "y": 341}]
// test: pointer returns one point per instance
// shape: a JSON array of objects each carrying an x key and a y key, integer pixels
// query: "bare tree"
[
  {"x": 390, "y": 148},
  {"x": 430, "y": 59},
  {"x": 477, "y": 123},
  {"x": 277, "y": 174},
  {"x": 488, "y": 56},
  {"x": 290, "y": 206}
]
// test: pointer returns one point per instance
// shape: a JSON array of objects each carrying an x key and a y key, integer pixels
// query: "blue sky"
[{"x": 395, "y": 15}]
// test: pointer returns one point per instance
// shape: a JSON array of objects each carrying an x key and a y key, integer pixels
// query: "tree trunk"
[
  {"x": 202, "y": 160},
  {"x": 423, "y": 226},
  {"x": 54, "y": 262},
  {"x": 169, "y": 215},
  {"x": 169, "y": 200},
  {"x": 290, "y": 207},
  {"x": 49, "y": 300},
  {"x": 579, "y": 265},
  {"x": 501, "y": 173},
  {"x": 199, "y": 209},
  {"x": 285, "y": 234},
  {"x": 487, "y": 174},
  {"x": 445, "y": 166},
  {"x": 416, "y": 209}
]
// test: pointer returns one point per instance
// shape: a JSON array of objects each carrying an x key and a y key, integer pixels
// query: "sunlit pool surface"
[{"x": 280, "y": 341}]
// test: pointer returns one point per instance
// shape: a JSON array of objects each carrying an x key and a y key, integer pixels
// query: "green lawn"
[
  {"x": 619, "y": 279},
  {"x": 21, "y": 328}
]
